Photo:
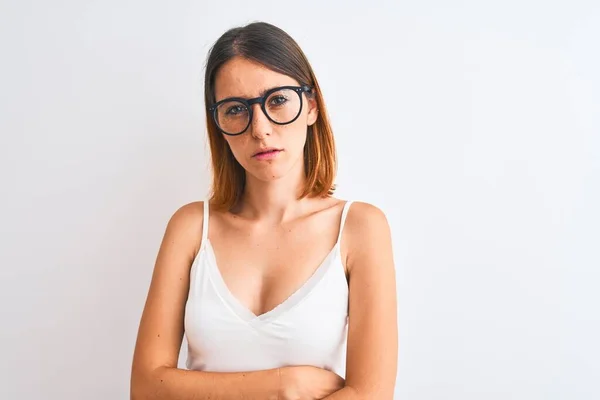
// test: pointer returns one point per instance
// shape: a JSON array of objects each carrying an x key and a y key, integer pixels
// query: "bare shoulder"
[
  {"x": 188, "y": 214},
  {"x": 368, "y": 231},
  {"x": 366, "y": 219},
  {"x": 185, "y": 226}
]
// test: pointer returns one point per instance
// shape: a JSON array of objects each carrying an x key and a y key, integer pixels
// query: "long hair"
[{"x": 275, "y": 49}]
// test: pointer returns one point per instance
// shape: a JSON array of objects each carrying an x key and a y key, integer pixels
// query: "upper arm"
[
  {"x": 161, "y": 327},
  {"x": 373, "y": 332}
]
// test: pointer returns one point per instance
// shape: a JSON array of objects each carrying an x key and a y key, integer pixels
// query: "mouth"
[{"x": 267, "y": 154}]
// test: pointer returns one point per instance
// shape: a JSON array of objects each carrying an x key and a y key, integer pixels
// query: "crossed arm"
[
  {"x": 372, "y": 354},
  {"x": 372, "y": 335}
]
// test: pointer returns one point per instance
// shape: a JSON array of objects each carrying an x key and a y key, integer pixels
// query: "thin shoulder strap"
[
  {"x": 205, "y": 222},
  {"x": 343, "y": 220}
]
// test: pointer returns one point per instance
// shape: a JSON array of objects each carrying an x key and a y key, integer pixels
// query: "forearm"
[
  {"x": 345, "y": 393},
  {"x": 171, "y": 383},
  {"x": 349, "y": 393}
]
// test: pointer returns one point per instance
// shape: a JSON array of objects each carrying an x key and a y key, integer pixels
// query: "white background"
[{"x": 475, "y": 125}]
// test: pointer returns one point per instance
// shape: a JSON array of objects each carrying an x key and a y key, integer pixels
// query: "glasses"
[{"x": 282, "y": 105}]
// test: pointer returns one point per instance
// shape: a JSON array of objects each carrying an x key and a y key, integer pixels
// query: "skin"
[{"x": 268, "y": 225}]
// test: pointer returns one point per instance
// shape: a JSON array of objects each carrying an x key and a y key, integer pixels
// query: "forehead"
[{"x": 240, "y": 77}]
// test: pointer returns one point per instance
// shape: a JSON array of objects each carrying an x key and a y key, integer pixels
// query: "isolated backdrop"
[{"x": 474, "y": 125}]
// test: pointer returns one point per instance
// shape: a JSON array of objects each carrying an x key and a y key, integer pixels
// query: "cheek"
[
  {"x": 293, "y": 136},
  {"x": 236, "y": 145},
  {"x": 299, "y": 135}
]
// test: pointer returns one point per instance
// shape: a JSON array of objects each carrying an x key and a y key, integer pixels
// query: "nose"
[{"x": 260, "y": 126}]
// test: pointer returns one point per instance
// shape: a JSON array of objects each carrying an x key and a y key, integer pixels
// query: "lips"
[
  {"x": 266, "y": 151},
  {"x": 267, "y": 154}
]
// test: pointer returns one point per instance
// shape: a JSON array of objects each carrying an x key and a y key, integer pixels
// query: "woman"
[{"x": 282, "y": 290}]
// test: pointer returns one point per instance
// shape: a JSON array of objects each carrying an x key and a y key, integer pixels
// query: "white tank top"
[{"x": 309, "y": 328}]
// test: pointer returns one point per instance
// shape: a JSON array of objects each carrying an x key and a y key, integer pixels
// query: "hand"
[{"x": 308, "y": 383}]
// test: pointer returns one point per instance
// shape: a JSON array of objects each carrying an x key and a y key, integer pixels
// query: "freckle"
[{"x": 161, "y": 381}]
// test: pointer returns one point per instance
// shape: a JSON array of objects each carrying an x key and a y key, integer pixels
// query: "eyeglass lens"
[{"x": 282, "y": 106}]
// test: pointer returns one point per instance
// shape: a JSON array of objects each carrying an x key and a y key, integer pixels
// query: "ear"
[{"x": 313, "y": 110}]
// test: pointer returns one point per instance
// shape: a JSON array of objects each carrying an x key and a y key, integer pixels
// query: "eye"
[
  {"x": 278, "y": 100},
  {"x": 235, "y": 110}
]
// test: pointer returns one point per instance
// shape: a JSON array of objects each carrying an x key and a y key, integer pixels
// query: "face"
[{"x": 247, "y": 79}]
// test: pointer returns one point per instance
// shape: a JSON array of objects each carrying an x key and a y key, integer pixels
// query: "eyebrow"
[{"x": 260, "y": 94}]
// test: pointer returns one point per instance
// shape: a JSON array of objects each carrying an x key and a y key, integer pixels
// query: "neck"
[{"x": 277, "y": 200}]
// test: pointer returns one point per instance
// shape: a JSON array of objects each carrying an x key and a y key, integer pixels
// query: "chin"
[
  {"x": 268, "y": 174},
  {"x": 272, "y": 171}
]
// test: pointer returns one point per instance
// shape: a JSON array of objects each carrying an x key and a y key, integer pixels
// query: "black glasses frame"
[{"x": 261, "y": 100}]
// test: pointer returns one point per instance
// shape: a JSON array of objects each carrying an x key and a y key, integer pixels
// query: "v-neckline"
[{"x": 296, "y": 297}]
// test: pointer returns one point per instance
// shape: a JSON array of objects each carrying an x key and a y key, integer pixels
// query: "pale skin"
[{"x": 269, "y": 225}]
